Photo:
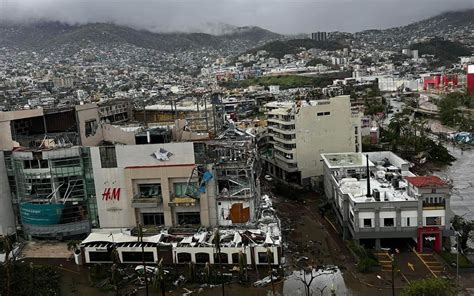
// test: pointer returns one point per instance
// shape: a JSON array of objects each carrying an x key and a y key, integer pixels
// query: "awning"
[{"x": 182, "y": 202}]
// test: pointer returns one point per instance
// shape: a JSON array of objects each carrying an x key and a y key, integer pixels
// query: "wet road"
[{"x": 462, "y": 174}]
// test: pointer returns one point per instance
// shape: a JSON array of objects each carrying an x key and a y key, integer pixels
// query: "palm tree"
[
  {"x": 217, "y": 246},
  {"x": 159, "y": 277},
  {"x": 115, "y": 272},
  {"x": 8, "y": 249},
  {"x": 270, "y": 269},
  {"x": 242, "y": 265}
]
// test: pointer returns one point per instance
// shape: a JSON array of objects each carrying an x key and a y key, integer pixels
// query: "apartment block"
[{"x": 300, "y": 131}]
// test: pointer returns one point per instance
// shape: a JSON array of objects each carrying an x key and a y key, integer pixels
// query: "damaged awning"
[{"x": 182, "y": 202}]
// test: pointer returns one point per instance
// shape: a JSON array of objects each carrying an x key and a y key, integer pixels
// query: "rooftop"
[
  {"x": 335, "y": 160},
  {"x": 357, "y": 190},
  {"x": 426, "y": 181}
]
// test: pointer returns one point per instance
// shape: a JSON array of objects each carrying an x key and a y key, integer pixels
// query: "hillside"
[
  {"x": 278, "y": 49},
  {"x": 455, "y": 26},
  {"x": 445, "y": 51},
  {"x": 47, "y": 35}
]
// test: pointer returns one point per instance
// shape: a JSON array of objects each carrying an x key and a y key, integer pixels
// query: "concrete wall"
[
  {"x": 7, "y": 220},
  {"x": 6, "y": 141},
  {"x": 117, "y": 135},
  {"x": 85, "y": 113},
  {"x": 324, "y": 134}
]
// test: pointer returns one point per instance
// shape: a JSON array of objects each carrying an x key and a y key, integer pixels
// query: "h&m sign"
[{"x": 111, "y": 193}]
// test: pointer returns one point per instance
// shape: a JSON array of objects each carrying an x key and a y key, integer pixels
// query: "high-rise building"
[
  {"x": 319, "y": 36},
  {"x": 300, "y": 131}
]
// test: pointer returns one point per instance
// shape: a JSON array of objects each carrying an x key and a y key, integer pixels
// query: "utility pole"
[
  {"x": 140, "y": 239},
  {"x": 393, "y": 274}
]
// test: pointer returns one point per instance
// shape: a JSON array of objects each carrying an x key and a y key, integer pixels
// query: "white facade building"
[{"x": 301, "y": 131}]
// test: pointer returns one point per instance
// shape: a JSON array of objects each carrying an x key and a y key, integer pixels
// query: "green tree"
[
  {"x": 430, "y": 287},
  {"x": 158, "y": 281},
  {"x": 465, "y": 229}
]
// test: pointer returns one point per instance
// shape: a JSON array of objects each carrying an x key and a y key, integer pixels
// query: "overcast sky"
[{"x": 282, "y": 16}]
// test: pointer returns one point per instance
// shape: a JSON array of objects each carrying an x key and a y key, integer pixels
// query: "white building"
[
  {"x": 379, "y": 202},
  {"x": 300, "y": 131}
]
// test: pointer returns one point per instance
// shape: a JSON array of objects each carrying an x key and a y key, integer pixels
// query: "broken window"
[
  {"x": 367, "y": 222},
  {"x": 184, "y": 257},
  {"x": 108, "y": 157},
  {"x": 149, "y": 190},
  {"x": 202, "y": 258},
  {"x": 153, "y": 218},
  {"x": 91, "y": 127},
  {"x": 137, "y": 256},
  {"x": 388, "y": 222},
  {"x": 433, "y": 220},
  {"x": 265, "y": 257},
  {"x": 189, "y": 218}
]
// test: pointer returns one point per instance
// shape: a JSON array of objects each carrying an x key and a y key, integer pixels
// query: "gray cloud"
[{"x": 284, "y": 16}]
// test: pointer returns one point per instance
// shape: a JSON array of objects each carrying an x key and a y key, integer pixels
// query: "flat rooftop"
[
  {"x": 336, "y": 160},
  {"x": 357, "y": 190}
]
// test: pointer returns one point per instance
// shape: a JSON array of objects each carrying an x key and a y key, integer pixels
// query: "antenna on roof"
[{"x": 368, "y": 178}]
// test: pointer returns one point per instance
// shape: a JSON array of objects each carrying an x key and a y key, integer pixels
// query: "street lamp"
[{"x": 458, "y": 234}]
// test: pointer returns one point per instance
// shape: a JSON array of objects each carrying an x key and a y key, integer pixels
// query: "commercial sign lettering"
[
  {"x": 430, "y": 238},
  {"x": 111, "y": 194}
]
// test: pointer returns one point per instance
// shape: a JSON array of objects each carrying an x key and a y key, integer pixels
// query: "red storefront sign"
[
  {"x": 429, "y": 236},
  {"x": 111, "y": 194}
]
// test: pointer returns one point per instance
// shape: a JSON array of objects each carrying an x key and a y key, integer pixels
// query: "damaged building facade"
[{"x": 378, "y": 201}]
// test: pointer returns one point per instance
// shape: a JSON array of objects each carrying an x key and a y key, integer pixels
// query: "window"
[
  {"x": 388, "y": 222},
  {"x": 433, "y": 190},
  {"x": 264, "y": 257},
  {"x": 149, "y": 190},
  {"x": 224, "y": 258},
  {"x": 99, "y": 256},
  {"x": 108, "y": 157},
  {"x": 433, "y": 220},
  {"x": 184, "y": 257},
  {"x": 351, "y": 216},
  {"x": 202, "y": 258},
  {"x": 189, "y": 218},
  {"x": 235, "y": 258},
  {"x": 153, "y": 218},
  {"x": 368, "y": 222},
  {"x": 91, "y": 127},
  {"x": 137, "y": 256},
  {"x": 408, "y": 221},
  {"x": 180, "y": 188}
]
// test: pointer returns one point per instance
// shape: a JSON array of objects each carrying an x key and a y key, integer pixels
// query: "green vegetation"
[
  {"x": 286, "y": 81},
  {"x": 430, "y": 287},
  {"x": 367, "y": 259},
  {"x": 407, "y": 138},
  {"x": 465, "y": 229},
  {"x": 29, "y": 279},
  {"x": 317, "y": 61},
  {"x": 277, "y": 49},
  {"x": 449, "y": 113},
  {"x": 445, "y": 51},
  {"x": 451, "y": 259}
]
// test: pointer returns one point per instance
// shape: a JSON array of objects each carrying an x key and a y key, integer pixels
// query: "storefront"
[{"x": 429, "y": 239}]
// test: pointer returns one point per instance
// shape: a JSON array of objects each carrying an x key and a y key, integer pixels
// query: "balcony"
[
  {"x": 282, "y": 131},
  {"x": 146, "y": 202},
  {"x": 283, "y": 140},
  {"x": 281, "y": 121},
  {"x": 284, "y": 149},
  {"x": 433, "y": 206}
]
